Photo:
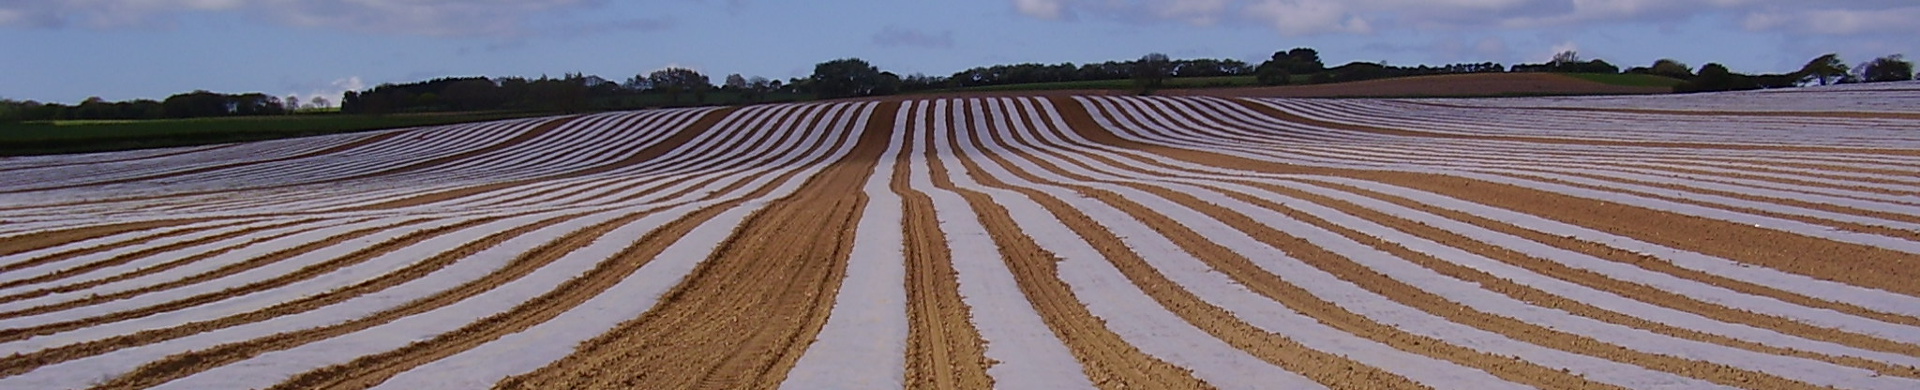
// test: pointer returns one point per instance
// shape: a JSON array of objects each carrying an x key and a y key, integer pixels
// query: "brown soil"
[
  {"x": 1491, "y": 84},
  {"x": 322, "y": 152},
  {"x": 1105, "y": 358},
  {"x": 944, "y": 351},
  {"x": 745, "y": 314},
  {"x": 1569, "y": 210}
]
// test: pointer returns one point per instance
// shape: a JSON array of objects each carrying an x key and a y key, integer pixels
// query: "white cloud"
[
  {"x": 1835, "y": 21},
  {"x": 421, "y": 17},
  {"x": 335, "y": 92},
  {"x": 1308, "y": 17},
  {"x": 352, "y": 83},
  {"x": 1044, "y": 9},
  {"x": 1302, "y": 17},
  {"x": 1195, "y": 12}
]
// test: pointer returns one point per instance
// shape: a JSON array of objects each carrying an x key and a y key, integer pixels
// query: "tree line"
[
  {"x": 853, "y": 77},
  {"x": 196, "y": 104}
]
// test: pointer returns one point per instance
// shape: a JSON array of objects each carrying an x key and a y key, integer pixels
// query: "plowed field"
[{"x": 1764, "y": 240}]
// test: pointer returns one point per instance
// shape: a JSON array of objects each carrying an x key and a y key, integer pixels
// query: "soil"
[{"x": 752, "y": 306}]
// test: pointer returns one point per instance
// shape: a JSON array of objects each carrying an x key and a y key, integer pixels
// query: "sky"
[{"x": 70, "y": 50}]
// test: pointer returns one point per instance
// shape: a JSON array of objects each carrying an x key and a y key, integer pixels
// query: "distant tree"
[
  {"x": 1565, "y": 57},
  {"x": 1890, "y": 68},
  {"x": 1150, "y": 72},
  {"x": 93, "y": 108},
  {"x": 889, "y": 84},
  {"x": 674, "y": 81},
  {"x": 736, "y": 82},
  {"x": 757, "y": 89},
  {"x": 11, "y": 110},
  {"x": 292, "y": 103},
  {"x": 922, "y": 82},
  {"x": 1303, "y": 60},
  {"x": 1356, "y": 71},
  {"x": 846, "y": 77},
  {"x": 321, "y": 102},
  {"x": 1283, "y": 65},
  {"x": 1595, "y": 66},
  {"x": 1826, "y": 68},
  {"x": 1272, "y": 75},
  {"x": 566, "y": 94},
  {"x": 1715, "y": 77},
  {"x": 198, "y": 104},
  {"x": 475, "y": 94},
  {"x": 638, "y": 83},
  {"x": 1208, "y": 67},
  {"x": 1670, "y": 68},
  {"x": 257, "y": 104}
]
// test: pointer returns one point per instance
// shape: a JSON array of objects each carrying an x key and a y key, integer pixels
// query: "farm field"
[{"x": 1763, "y": 240}]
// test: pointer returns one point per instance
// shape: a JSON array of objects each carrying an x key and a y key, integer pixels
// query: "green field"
[
  {"x": 1627, "y": 79},
  {"x": 55, "y": 137}
]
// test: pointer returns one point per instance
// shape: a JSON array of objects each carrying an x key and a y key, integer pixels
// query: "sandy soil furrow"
[
  {"x": 1863, "y": 265},
  {"x": 863, "y": 343},
  {"x": 1276, "y": 113},
  {"x": 373, "y": 369},
  {"x": 1107, "y": 359},
  {"x": 40, "y": 263},
  {"x": 1237, "y": 177},
  {"x": 336, "y": 149},
  {"x": 758, "y": 154},
  {"x": 1380, "y": 284},
  {"x": 179, "y": 151},
  {"x": 54, "y": 238},
  {"x": 20, "y": 363},
  {"x": 1723, "y": 314},
  {"x": 304, "y": 273},
  {"x": 1019, "y": 240},
  {"x": 654, "y": 151},
  {"x": 1616, "y": 165},
  {"x": 627, "y": 297},
  {"x": 1756, "y": 113},
  {"x": 176, "y": 366},
  {"x": 1641, "y": 260},
  {"x": 148, "y": 269},
  {"x": 1275, "y": 287},
  {"x": 745, "y": 315},
  {"x": 1825, "y": 177},
  {"x": 536, "y": 132},
  {"x": 369, "y": 370},
  {"x": 1837, "y": 171},
  {"x": 1331, "y": 370},
  {"x": 568, "y": 192},
  {"x": 1853, "y": 264},
  {"x": 161, "y": 252},
  {"x": 145, "y": 251},
  {"x": 1636, "y": 291},
  {"x": 1882, "y": 222},
  {"x": 944, "y": 351}
]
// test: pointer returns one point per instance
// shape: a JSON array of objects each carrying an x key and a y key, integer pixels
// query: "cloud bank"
[
  {"x": 1313, "y": 17},
  {"x": 412, "y": 17}
]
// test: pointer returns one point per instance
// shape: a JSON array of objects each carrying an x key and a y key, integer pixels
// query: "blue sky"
[{"x": 68, "y": 50}]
